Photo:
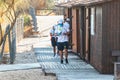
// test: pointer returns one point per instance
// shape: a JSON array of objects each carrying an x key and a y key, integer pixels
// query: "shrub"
[{"x": 27, "y": 21}]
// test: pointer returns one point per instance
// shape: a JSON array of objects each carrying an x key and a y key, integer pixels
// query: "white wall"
[{"x": 45, "y": 23}]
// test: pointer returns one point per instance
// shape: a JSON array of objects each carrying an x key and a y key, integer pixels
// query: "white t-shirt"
[
  {"x": 67, "y": 27},
  {"x": 52, "y": 31},
  {"x": 60, "y": 30}
]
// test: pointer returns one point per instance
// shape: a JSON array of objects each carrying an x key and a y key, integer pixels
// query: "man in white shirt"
[
  {"x": 62, "y": 42},
  {"x": 53, "y": 40},
  {"x": 66, "y": 42}
]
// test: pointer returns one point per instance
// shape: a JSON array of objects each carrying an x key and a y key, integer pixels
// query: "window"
[{"x": 92, "y": 21}]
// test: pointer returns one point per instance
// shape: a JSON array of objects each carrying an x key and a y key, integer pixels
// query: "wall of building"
[
  {"x": 96, "y": 40},
  {"x": 74, "y": 31},
  {"x": 65, "y": 12},
  {"x": 111, "y": 33},
  {"x": 78, "y": 29},
  {"x": 107, "y": 36}
]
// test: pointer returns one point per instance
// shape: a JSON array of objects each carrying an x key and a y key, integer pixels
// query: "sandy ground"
[
  {"x": 31, "y": 74},
  {"x": 25, "y": 54}
]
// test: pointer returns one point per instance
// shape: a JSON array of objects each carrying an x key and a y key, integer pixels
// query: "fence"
[
  {"x": 19, "y": 29},
  {"x": 14, "y": 37},
  {"x": 17, "y": 35}
]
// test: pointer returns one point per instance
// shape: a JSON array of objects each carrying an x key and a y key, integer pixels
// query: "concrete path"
[
  {"x": 19, "y": 67},
  {"x": 77, "y": 69}
]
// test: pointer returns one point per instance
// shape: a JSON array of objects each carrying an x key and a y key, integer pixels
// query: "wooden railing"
[
  {"x": 15, "y": 35},
  {"x": 117, "y": 71},
  {"x": 116, "y": 54},
  {"x": 28, "y": 31}
]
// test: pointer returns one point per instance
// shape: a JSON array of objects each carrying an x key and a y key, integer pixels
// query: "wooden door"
[
  {"x": 78, "y": 30},
  {"x": 70, "y": 37},
  {"x": 87, "y": 34},
  {"x": 82, "y": 32}
]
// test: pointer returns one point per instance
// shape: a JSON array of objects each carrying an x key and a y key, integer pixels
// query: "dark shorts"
[
  {"x": 62, "y": 45},
  {"x": 66, "y": 45},
  {"x": 53, "y": 41}
]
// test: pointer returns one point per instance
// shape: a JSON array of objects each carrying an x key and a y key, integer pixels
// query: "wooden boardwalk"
[{"x": 77, "y": 69}]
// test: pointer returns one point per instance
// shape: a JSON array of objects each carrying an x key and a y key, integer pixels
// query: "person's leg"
[
  {"x": 57, "y": 51},
  {"x": 61, "y": 56},
  {"x": 54, "y": 50},
  {"x": 66, "y": 51},
  {"x": 66, "y": 55},
  {"x": 60, "y": 48},
  {"x": 53, "y": 45}
]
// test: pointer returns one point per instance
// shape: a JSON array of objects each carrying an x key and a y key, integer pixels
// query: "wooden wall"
[
  {"x": 78, "y": 29},
  {"x": 65, "y": 12},
  {"x": 107, "y": 36},
  {"x": 74, "y": 31},
  {"x": 111, "y": 33},
  {"x": 96, "y": 40}
]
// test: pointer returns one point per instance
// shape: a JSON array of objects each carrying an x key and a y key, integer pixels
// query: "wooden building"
[{"x": 95, "y": 31}]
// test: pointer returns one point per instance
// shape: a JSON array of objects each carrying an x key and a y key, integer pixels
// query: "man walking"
[
  {"x": 62, "y": 33},
  {"x": 53, "y": 40},
  {"x": 66, "y": 42}
]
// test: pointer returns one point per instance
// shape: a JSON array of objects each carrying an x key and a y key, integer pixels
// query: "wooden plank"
[{"x": 116, "y": 53}]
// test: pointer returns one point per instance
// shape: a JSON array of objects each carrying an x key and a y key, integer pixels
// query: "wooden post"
[
  {"x": 3, "y": 45},
  {"x": 13, "y": 45},
  {"x": 10, "y": 46}
]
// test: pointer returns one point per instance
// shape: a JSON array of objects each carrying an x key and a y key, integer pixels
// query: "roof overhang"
[
  {"x": 66, "y": 4},
  {"x": 81, "y": 3}
]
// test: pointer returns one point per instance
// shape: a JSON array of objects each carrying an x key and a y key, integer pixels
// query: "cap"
[
  {"x": 60, "y": 21},
  {"x": 67, "y": 19}
]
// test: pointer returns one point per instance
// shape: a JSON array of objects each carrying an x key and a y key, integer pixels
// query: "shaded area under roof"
[{"x": 81, "y": 3}]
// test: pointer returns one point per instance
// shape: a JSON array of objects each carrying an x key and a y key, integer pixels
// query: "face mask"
[{"x": 61, "y": 25}]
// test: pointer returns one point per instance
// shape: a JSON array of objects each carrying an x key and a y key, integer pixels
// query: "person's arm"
[
  {"x": 51, "y": 34},
  {"x": 67, "y": 31}
]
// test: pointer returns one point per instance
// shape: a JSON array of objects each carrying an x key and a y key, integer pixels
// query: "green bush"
[{"x": 27, "y": 21}]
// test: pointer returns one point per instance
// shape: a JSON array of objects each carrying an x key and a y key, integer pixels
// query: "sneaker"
[
  {"x": 56, "y": 55},
  {"x": 66, "y": 61},
  {"x": 61, "y": 61}
]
